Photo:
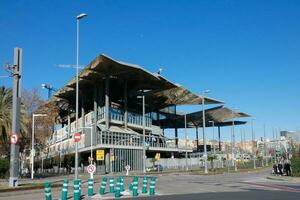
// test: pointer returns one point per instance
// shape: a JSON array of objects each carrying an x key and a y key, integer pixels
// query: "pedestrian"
[
  {"x": 288, "y": 167},
  {"x": 275, "y": 169},
  {"x": 280, "y": 168}
]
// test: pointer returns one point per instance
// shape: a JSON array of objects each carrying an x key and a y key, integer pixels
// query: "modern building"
[{"x": 119, "y": 104}]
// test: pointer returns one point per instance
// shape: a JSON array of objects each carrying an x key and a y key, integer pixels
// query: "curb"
[{"x": 21, "y": 188}]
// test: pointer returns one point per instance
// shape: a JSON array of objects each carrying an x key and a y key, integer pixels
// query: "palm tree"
[{"x": 6, "y": 119}]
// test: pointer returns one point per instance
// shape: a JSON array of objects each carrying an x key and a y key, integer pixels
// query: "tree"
[
  {"x": 211, "y": 158},
  {"x": 6, "y": 121}
]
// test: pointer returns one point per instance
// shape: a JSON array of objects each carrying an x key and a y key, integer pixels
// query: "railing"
[{"x": 118, "y": 115}]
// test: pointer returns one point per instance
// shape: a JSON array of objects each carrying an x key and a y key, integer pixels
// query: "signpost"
[
  {"x": 91, "y": 170},
  {"x": 127, "y": 167},
  {"x": 100, "y": 154}
]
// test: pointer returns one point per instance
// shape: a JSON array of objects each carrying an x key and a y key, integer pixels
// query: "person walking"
[
  {"x": 288, "y": 167},
  {"x": 280, "y": 168},
  {"x": 275, "y": 169}
]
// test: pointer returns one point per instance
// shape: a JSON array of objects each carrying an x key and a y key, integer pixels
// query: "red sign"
[
  {"x": 77, "y": 137},
  {"x": 14, "y": 139},
  {"x": 91, "y": 168}
]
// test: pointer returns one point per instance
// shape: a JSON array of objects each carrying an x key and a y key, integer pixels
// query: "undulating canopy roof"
[
  {"x": 161, "y": 92},
  {"x": 221, "y": 116}
]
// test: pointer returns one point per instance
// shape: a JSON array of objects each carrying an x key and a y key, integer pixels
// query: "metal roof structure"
[
  {"x": 222, "y": 116},
  {"x": 162, "y": 92}
]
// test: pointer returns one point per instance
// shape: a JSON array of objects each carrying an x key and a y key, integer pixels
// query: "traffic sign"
[
  {"x": 14, "y": 139},
  {"x": 77, "y": 137},
  {"x": 100, "y": 154},
  {"x": 157, "y": 156},
  {"x": 91, "y": 169}
]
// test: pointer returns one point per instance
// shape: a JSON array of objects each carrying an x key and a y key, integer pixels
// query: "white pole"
[
  {"x": 32, "y": 147},
  {"x": 92, "y": 129},
  {"x": 214, "y": 137},
  {"x": 144, "y": 135},
  {"x": 204, "y": 140},
  {"x": 186, "y": 153},
  {"x": 77, "y": 88},
  {"x": 253, "y": 148},
  {"x": 82, "y": 15}
]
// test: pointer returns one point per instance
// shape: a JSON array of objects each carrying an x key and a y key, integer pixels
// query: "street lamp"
[
  {"x": 186, "y": 153},
  {"x": 265, "y": 146},
  {"x": 144, "y": 134},
  {"x": 253, "y": 147},
  {"x": 233, "y": 149},
  {"x": 78, "y": 18},
  {"x": 213, "y": 126},
  {"x": 49, "y": 88},
  {"x": 32, "y": 141},
  {"x": 203, "y": 129}
]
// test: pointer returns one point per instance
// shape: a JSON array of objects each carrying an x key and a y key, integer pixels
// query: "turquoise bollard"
[
  {"x": 90, "y": 187},
  {"x": 111, "y": 185},
  {"x": 103, "y": 185},
  {"x": 64, "y": 191},
  {"x": 48, "y": 193}
]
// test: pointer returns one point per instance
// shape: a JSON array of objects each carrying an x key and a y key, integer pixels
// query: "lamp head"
[{"x": 80, "y": 16}]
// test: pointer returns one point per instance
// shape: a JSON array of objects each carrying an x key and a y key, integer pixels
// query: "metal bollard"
[
  {"x": 152, "y": 186},
  {"x": 64, "y": 191},
  {"x": 76, "y": 190},
  {"x": 145, "y": 183},
  {"x": 79, "y": 189},
  {"x": 135, "y": 187},
  {"x": 103, "y": 186},
  {"x": 118, "y": 191},
  {"x": 48, "y": 191},
  {"x": 90, "y": 187},
  {"x": 122, "y": 183},
  {"x": 111, "y": 185}
]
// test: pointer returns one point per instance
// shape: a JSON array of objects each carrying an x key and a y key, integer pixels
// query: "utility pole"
[{"x": 14, "y": 147}]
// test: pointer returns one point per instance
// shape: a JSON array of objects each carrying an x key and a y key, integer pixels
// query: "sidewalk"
[{"x": 284, "y": 178}]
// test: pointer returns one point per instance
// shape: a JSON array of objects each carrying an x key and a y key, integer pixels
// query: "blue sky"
[{"x": 245, "y": 52}]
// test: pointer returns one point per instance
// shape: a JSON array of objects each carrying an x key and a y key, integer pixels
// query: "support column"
[
  {"x": 125, "y": 105},
  {"x": 219, "y": 137},
  {"x": 95, "y": 120},
  {"x": 82, "y": 114},
  {"x": 176, "y": 129},
  {"x": 69, "y": 124},
  {"x": 197, "y": 137},
  {"x": 107, "y": 102}
]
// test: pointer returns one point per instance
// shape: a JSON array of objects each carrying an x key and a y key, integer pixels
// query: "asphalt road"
[
  {"x": 243, "y": 186},
  {"x": 247, "y": 195}
]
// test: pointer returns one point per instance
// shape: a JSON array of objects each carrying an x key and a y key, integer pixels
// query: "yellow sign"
[
  {"x": 100, "y": 154},
  {"x": 157, "y": 156},
  {"x": 99, "y": 157}
]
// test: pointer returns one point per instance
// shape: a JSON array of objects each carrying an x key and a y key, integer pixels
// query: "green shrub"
[
  {"x": 4, "y": 167},
  {"x": 295, "y": 163}
]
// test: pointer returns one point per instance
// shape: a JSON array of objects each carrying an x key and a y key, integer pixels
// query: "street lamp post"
[
  {"x": 233, "y": 149},
  {"x": 49, "y": 88},
  {"x": 186, "y": 153},
  {"x": 203, "y": 129},
  {"x": 32, "y": 142},
  {"x": 213, "y": 126},
  {"x": 253, "y": 147},
  {"x": 265, "y": 146},
  {"x": 79, "y": 17},
  {"x": 144, "y": 135}
]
